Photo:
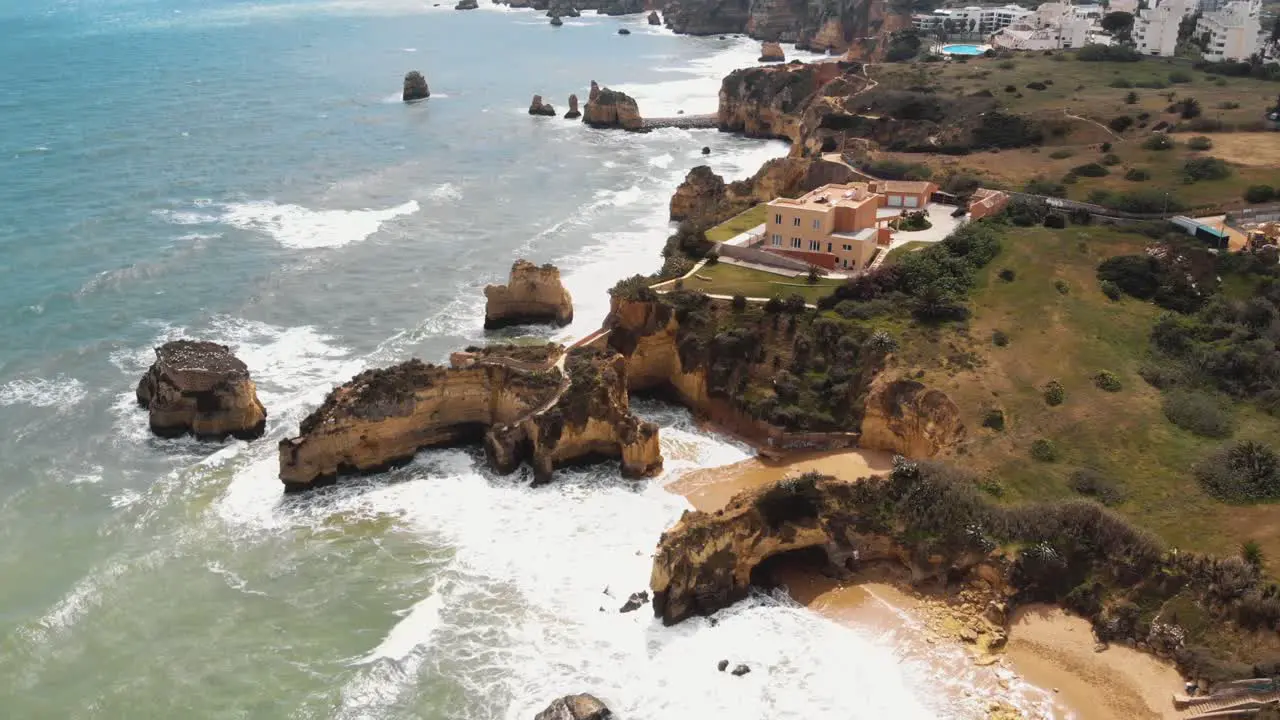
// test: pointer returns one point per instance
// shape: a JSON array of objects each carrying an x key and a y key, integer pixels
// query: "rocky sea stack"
[
  {"x": 701, "y": 191},
  {"x": 576, "y": 707},
  {"x": 466, "y": 5},
  {"x": 562, "y": 8},
  {"x": 612, "y": 109},
  {"x": 513, "y": 399},
  {"x": 532, "y": 294},
  {"x": 537, "y": 107},
  {"x": 654, "y": 19},
  {"x": 574, "y": 113},
  {"x": 201, "y": 388},
  {"x": 772, "y": 52},
  {"x": 415, "y": 87}
]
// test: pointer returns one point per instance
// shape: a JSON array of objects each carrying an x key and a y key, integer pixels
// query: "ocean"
[{"x": 244, "y": 172}]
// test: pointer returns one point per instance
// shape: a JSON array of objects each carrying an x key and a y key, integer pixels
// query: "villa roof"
[{"x": 915, "y": 187}]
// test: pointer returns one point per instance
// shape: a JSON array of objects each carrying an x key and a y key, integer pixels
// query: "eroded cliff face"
[
  {"x": 705, "y": 198},
  {"x": 532, "y": 294},
  {"x": 519, "y": 408},
  {"x": 698, "y": 195},
  {"x": 769, "y": 102},
  {"x": 203, "y": 389},
  {"x": 830, "y": 25},
  {"x": 910, "y": 419},
  {"x": 706, "y": 561}
]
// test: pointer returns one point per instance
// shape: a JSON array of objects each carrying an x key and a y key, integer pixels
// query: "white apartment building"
[
  {"x": 1155, "y": 30},
  {"x": 973, "y": 19},
  {"x": 1231, "y": 31},
  {"x": 1055, "y": 25}
]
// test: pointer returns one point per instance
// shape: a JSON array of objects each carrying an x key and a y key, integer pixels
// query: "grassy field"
[
  {"x": 1070, "y": 337},
  {"x": 738, "y": 224},
  {"x": 726, "y": 279},
  {"x": 1084, "y": 88}
]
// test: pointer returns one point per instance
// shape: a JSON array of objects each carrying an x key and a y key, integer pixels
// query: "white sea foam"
[
  {"x": 662, "y": 161},
  {"x": 60, "y": 392},
  {"x": 445, "y": 192},
  {"x": 185, "y": 217},
  {"x": 300, "y": 228},
  {"x": 412, "y": 633}
]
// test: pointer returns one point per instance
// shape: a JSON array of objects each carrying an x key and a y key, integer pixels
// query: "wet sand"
[{"x": 1049, "y": 668}]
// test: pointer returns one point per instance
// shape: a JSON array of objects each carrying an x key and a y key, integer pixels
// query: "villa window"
[
  {"x": 828, "y": 247},
  {"x": 777, "y": 238},
  {"x": 795, "y": 242},
  {"x": 795, "y": 221},
  {"x": 777, "y": 219},
  {"x": 815, "y": 245},
  {"x": 848, "y": 247},
  {"x": 817, "y": 224}
]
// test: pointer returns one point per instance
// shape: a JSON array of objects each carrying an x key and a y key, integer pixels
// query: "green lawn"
[
  {"x": 726, "y": 279},
  {"x": 738, "y": 224},
  {"x": 903, "y": 249},
  {"x": 1070, "y": 337}
]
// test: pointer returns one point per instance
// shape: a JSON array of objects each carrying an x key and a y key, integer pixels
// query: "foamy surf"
[
  {"x": 59, "y": 392},
  {"x": 300, "y": 228}
]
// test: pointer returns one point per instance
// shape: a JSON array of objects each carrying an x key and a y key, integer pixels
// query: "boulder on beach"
[
  {"x": 415, "y": 87},
  {"x": 612, "y": 109},
  {"x": 772, "y": 52},
  {"x": 576, "y": 707},
  {"x": 654, "y": 19},
  {"x": 537, "y": 107},
  {"x": 623, "y": 31},
  {"x": 574, "y": 113},
  {"x": 466, "y": 5},
  {"x": 201, "y": 388}
]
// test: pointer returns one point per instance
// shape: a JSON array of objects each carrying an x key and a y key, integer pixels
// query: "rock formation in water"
[
  {"x": 512, "y": 399},
  {"x": 532, "y": 294},
  {"x": 415, "y": 87},
  {"x": 556, "y": 21},
  {"x": 907, "y": 418},
  {"x": 701, "y": 191},
  {"x": 574, "y": 113},
  {"x": 537, "y": 107},
  {"x": 709, "y": 561},
  {"x": 466, "y": 5},
  {"x": 562, "y": 8},
  {"x": 623, "y": 31},
  {"x": 576, "y": 707},
  {"x": 772, "y": 52},
  {"x": 203, "y": 389},
  {"x": 654, "y": 19},
  {"x": 611, "y": 109}
]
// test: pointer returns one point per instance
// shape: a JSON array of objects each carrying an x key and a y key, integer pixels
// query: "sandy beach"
[{"x": 1047, "y": 648}]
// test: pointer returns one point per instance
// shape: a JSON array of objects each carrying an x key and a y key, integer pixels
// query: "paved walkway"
[
  {"x": 943, "y": 225},
  {"x": 743, "y": 238}
]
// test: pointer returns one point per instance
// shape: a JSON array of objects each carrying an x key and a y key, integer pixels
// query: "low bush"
[
  {"x": 1011, "y": 88},
  {"x": 1054, "y": 393},
  {"x": 1244, "y": 471},
  {"x": 1091, "y": 170},
  {"x": 1006, "y": 64},
  {"x": 1110, "y": 159},
  {"x": 898, "y": 170},
  {"x": 999, "y": 338},
  {"x": 1092, "y": 483},
  {"x": 1205, "y": 168},
  {"x": 1046, "y": 187},
  {"x": 1137, "y": 175},
  {"x": 1036, "y": 86},
  {"x": 1108, "y": 53},
  {"x": 1061, "y": 154},
  {"x": 1199, "y": 413},
  {"x": 1107, "y": 380},
  {"x": 1061, "y": 286},
  {"x": 1120, "y": 123},
  {"x": 739, "y": 303},
  {"x": 993, "y": 418},
  {"x": 1131, "y": 98},
  {"x": 1180, "y": 76},
  {"x": 1111, "y": 290},
  {"x": 1200, "y": 142},
  {"x": 1121, "y": 83},
  {"x": 1260, "y": 194},
  {"x": 1044, "y": 450},
  {"x": 1158, "y": 141}
]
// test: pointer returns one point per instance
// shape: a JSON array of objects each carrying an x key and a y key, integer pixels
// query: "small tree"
[
  {"x": 739, "y": 303},
  {"x": 813, "y": 275},
  {"x": 1131, "y": 98},
  {"x": 1251, "y": 552}
]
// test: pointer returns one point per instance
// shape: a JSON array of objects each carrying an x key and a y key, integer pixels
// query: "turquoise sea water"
[{"x": 245, "y": 173}]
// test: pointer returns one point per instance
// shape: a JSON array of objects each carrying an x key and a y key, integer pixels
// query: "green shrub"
[
  {"x": 1036, "y": 86},
  {"x": 1054, "y": 393},
  {"x": 739, "y": 303},
  {"x": 1007, "y": 274},
  {"x": 1120, "y": 123},
  {"x": 791, "y": 500},
  {"x": 1245, "y": 471},
  {"x": 1199, "y": 413},
  {"x": 1110, "y": 159},
  {"x": 1188, "y": 108},
  {"x": 1158, "y": 141},
  {"x": 1200, "y": 142},
  {"x": 1091, "y": 170},
  {"x": 994, "y": 419},
  {"x": 1044, "y": 450},
  {"x": 773, "y": 305},
  {"x": 1137, "y": 175},
  {"x": 1011, "y": 88},
  {"x": 1131, "y": 98},
  {"x": 999, "y": 338},
  {"x": 1061, "y": 286},
  {"x": 1061, "y": 154},
  {"x": 1180, "y": 76},
  {"x": 1042, "y": 186},
  {"x": 1006, "y": 64},
  {"x": 1160, "y": 377},
  {"x": 1108, "y": 53},
  {"x": 1092, "y": 483},
  {"x": 1121, "y": 84},
  {"x": 1107, "y": 380},
  {"x": 1111, "y": 290},
  {"x": 1260, "y": 194},
  {"x": 1143, "y": 201},
  {"x": 1205, "y": 168}
]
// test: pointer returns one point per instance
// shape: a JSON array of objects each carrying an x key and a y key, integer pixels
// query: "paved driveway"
[{"x": 943, "y": 224}]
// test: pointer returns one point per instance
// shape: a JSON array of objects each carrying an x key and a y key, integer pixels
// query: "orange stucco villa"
[{"x": 841, "y": 226}]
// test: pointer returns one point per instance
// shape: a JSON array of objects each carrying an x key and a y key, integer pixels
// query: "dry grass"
[{"x": 738, "y": 224}]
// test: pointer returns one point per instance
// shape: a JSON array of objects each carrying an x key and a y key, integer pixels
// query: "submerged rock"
[
  {"x": 635, "y": 602},
  {"x": 532, "y": 294},
  {"x": 772, "y": 52},
  {"x": 203, "y": 389},
  {"x": 612, "y": 109},
  {"x": 575, "y": 707},
  {"x": 537, "y": 107},
  {"x": 623, "y": 31},
  {"x": 574, "y": 113},
  {"x": 706, "y": 150},
  {"x": 741, "y": 670},
  {"x": 722, "y": 665},
  {"x": 415, "y": 87}
]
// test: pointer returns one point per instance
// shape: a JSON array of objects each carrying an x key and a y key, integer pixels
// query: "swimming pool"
[{"x": 963, "y": 49}]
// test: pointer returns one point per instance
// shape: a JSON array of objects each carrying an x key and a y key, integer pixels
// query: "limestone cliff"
[
  {"x": 705, "y": 198},
  {"x": 771, "y": 101},
  {"x": 698, "y": 195},
  {"x": 532, "y": 295},
  {"x": 607, "y": 108},
  {"x": 907, "y": 418},
  {"x": 521, "y": 407},
  {"x": 708, "y": 561},
  {"x": 203, "y": 389},
  {"x": 825, "y": 25}
]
